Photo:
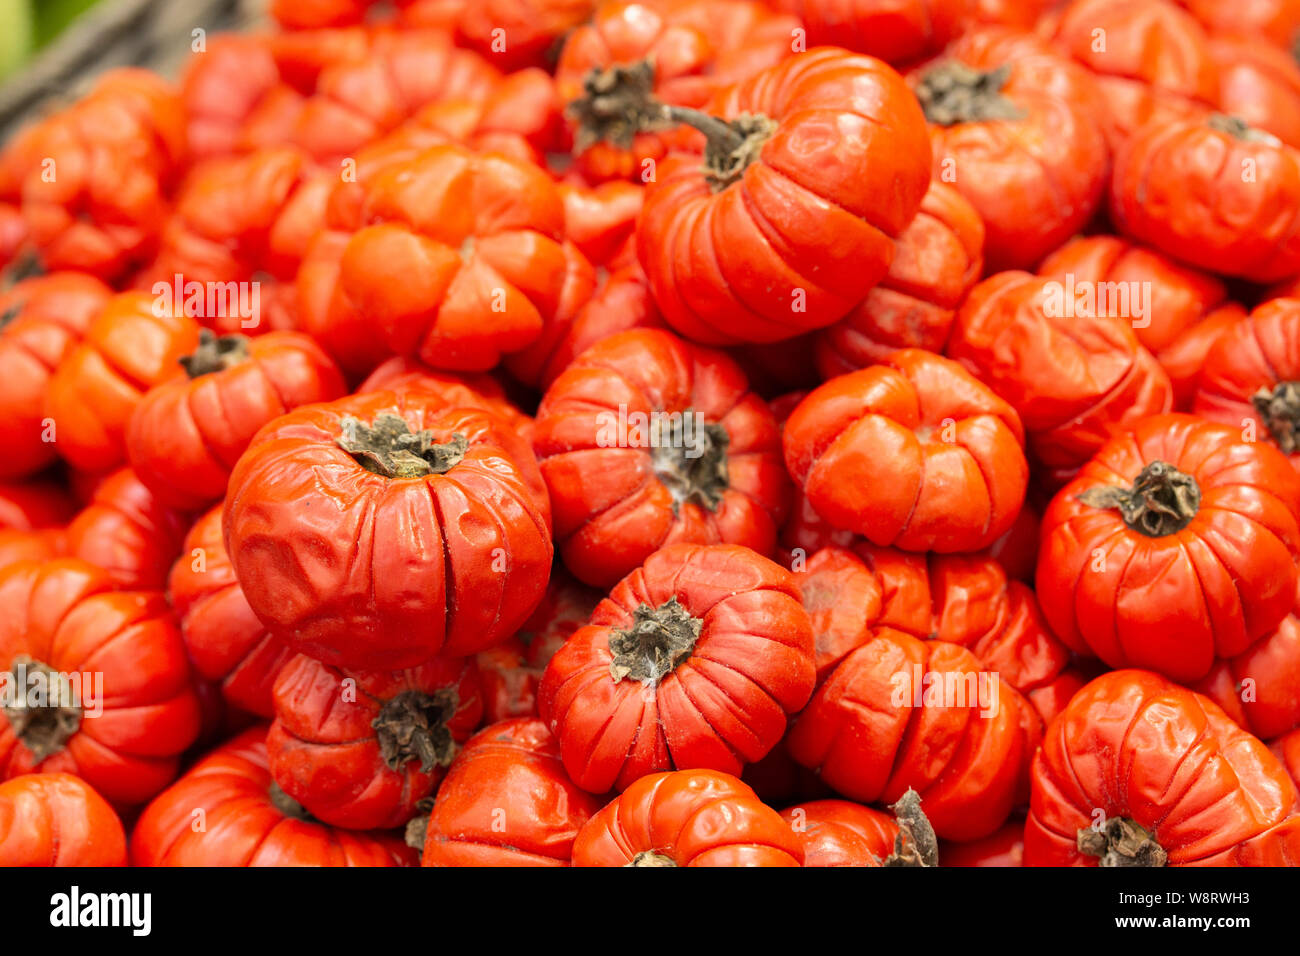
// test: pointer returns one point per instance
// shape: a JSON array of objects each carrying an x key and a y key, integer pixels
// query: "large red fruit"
[
  {"x": 687, "y": 818},
  {"x": 187, "y": 433},
  {"x": 56, "y": 819},
  {"x": 130, "y": 347},
  {"x": 1215, "y": 193},
  {"x": 1072, "y": 373},
  {"x": 900, "y": 713},
  {"x": 817, "y": 165},
  {"x": 1174, "y": 546},
  {"x": 696, "y": 659},
  {"x": 360, "y": 749},
  {"x": 247, "y": 820},
  {"x": 124, "y": 728},
  {"x": 506, "y": 801},
  {"x": 1015, "y": 128},
  {"x": 915, "y": 452},
  {"x": 646, "y": 440},
  {"x": 225, "y": 640},
  {"x": 379, "y": 530},
  {"x": 41, "y": 319},
  {"x": 1140, "y": 772}
]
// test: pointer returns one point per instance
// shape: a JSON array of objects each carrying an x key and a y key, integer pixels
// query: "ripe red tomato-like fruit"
[
  {"x": 1251, "y": 377},
  {"x": 1215, "y": 193},
  {"x": 248, "y": 820},
  {"x": 1174, "y": 546},
  {"x": 900, "y": 713},
  {"x": 377, "y": 531},
  {"x": 1015, "y": 127},
  {"x": 56, "y": 819},
  {"x": 130, "y": 347},
  {"x": 359, "y": 749},
  {"x": 780, "y": 231},
  {"x": 646, "y": 440},
  {"x": 225, "y": 640},
  {"x": 128, "y": 532},
  {"x": 124, "y": 728},
  {"x": 844, "y": 833},
  {"x": 696, "y": 659},
  {"x": 506, "y": 801},
  {"x": 1072, "y": 372},
  {"x": 187, "y": 433},
  {"x": 687, "y": 818},
  {"x": 915, "y": 452},
  {"x": 41, "y": 319},
  {"x": 1176, "y": 782}
]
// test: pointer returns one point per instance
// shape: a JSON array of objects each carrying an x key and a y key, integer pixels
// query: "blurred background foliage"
[{"x": 28, "y": 25}]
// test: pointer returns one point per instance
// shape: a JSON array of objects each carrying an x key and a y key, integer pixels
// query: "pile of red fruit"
[{"x": 660, "y": 433}]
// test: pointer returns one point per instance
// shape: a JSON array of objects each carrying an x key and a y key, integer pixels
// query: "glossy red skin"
[
  {"x": 1154, "y": 67},
  {"x": 1257, "y": 688},
  {"x": 1132, "y": 744},
  {"x": 324, "y": 752},
  {"x": 221, "y": 88},
  {"x": 1004, "y": 847},
  {"x": 533, "y": 27},
  {"x": 725, "y": 705},
  {"x": 1037, "y": 180},
  {"x": 128, "y": 532},
  {"x": 301, "y": 55},
  {"x": 842, "y": 833},
  {"x": 29, "y": 505},
  {"x": 937, "y": 260},
  {"x": 1259, "y": 351},
  {"x": 693, "y": 817},
  {"x": 601, "y": 219},
  {"x": 1180, "y": 297},
  {"x": 1072, "y": 379},
  {"x": 56, "y": 819},
  {"x": 225, "y": 640},
  {"x": 969, "y": 771},
  {"x": 1287, "y": 749},
  {"x": 961, "y": 599},
  {"x": 1259, "y": 83},
  {"x": 186, "y": 434},
  {"x": 897, "y": 32},
  {"x": 35, "y": 545},
  {"x": 129, "y": 348},
  {"x": 511, "y": 672},
  {"x": 115, "y": 154},
  {"x": 363, "y": 571},
  {"x": 611, "y": 508},
  {"x": 65, "y": 614},
  {"x": 357, "y": 101},
  {"x": 832, "y": 227},
  {"x": 1015, "y": 13},
  {"x": 1017, "y": 549},
  {"x": 697, "y": 47},
  {"x": 621, "y": 303},
  {"x": 420, "y": 215},
  {"x": 239, "y": 216},
  {"x": 1180, "y": 187},
  {"x": 887, "y": 427},
  {"x": 1177, "y": 602},
  {"x": 48, "y": 316},
  {"x": 1184, "y": 359},
  {"x": 1276, "y": 21},
  {"x": 242, "y": 827},
  {"x": 506, "y": 801}
]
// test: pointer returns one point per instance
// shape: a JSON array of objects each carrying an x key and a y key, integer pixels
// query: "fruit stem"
[
  {"x": 1162, "y": 500},
  {"x": 1121, "y": 842},
  {"x": 389, "y": 448}
]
